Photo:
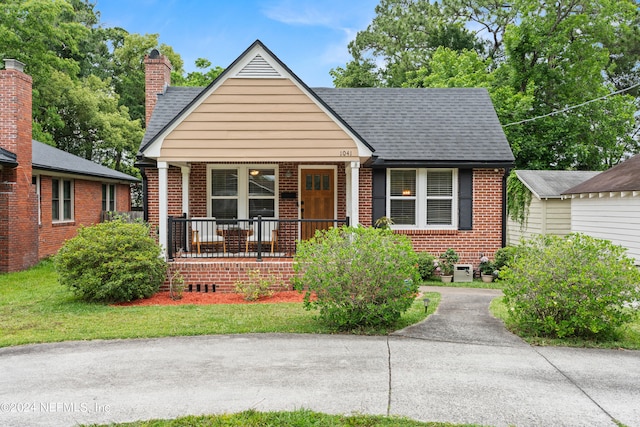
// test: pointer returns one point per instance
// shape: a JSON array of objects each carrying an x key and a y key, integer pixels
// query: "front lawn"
[
  {"x": 35, "y": 308},
  {"x": 628, "y": 336}
]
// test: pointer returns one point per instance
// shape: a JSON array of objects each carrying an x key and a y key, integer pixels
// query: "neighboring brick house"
[
  {"x": 259, "y": 141},
  {"x": 46, "y": 194}
]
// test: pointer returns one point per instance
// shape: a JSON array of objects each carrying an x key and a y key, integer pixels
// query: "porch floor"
[{"x": 234, "y": 257}]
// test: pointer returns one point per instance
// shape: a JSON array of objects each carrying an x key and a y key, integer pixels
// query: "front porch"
[{"x": 240, "y": 239}]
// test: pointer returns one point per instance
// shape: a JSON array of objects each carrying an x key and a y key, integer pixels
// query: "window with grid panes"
[
  {"x": 422, "y": 198},
  {"x": 242, "y": 191}
]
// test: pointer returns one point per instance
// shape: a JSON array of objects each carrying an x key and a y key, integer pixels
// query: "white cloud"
[
  {"x": 334, "y": 14},
  {"x": 301, "y": 13},
  {"x": 338, "y": 53}
]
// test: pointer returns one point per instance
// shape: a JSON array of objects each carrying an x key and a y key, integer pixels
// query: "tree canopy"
[
  {"x": 540, "y": 62},
  {"x": 88, "y": 80}
]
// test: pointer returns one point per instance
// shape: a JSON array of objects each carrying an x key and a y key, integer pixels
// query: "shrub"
[
  {"x": 111, "y": 262},
  {"x": 361, "y": 276},
  {"x": 447, "y": 261},
  {"x": 426, "y": 265},
  {"x": 504, "y": 256},
  {"x": 486, "y": 267},
  {"x": 576, "y": 286},
  {"x": 176, "y": 285},
  {"x": 256, "y": 286}
]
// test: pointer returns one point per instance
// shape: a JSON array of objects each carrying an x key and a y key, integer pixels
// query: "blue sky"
[{"x": 311, "y": 37}]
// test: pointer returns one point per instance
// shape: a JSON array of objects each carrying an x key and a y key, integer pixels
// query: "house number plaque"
[{"x": 346, "y": 153}]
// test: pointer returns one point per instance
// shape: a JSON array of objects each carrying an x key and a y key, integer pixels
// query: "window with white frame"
[
  {"x": 422, "y": 198},
  {"x": 61, "y": 199},
  {"x": 35, "y": 180},
  {"x": 242, "y": 191},
  {"x": 108, "y": 197}
]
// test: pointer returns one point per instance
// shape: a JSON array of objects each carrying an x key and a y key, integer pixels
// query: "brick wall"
[
  {"x": 366, "y": 197},
  {"x": 486, "y": 236},
  {"x": 86, "y": 211},
  {"x": 225, "y": 273},
  {"x": 18, "y": 199}
]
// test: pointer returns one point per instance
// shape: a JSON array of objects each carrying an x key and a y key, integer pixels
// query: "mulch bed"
[{"x": 201, "y": 298}]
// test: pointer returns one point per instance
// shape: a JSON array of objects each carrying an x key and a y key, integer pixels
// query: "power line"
[{"x": 572, "y": 107}]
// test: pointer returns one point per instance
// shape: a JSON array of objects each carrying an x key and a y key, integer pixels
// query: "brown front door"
[{"x": 317, "y": 200}]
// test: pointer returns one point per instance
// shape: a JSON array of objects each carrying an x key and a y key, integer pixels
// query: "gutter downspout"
[
  {"x": 145, "y": 194},
  {"x": 507, "y": 172}
]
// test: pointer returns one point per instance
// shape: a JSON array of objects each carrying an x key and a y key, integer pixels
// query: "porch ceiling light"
[{"x": 254, "y": 172}]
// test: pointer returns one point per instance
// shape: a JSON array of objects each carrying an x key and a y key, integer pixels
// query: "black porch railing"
[{"x": 241, "y": 238}]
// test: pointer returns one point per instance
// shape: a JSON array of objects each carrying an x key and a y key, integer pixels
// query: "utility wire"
[{"x": 572, "y": 107}]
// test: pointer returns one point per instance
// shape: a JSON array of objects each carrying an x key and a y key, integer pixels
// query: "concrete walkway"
[{"x": 459, "y": 366}]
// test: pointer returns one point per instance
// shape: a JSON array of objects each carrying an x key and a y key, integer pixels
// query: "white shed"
[
  {"x": 607, "y": 206},
  {"x": 548, "y": 212}
]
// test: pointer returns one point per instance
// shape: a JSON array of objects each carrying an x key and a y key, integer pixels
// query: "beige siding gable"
[{"x": 261, "y": 119}]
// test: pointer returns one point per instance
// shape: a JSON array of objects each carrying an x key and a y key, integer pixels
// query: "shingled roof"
[
  {"x": 623, "y": 177},
  {"x": 46, "y": 157},
  {"x": 551, "y": 184},
  {"x": 404, "y": 126},
  {"x": 7, "y": 158},
  {"x": 423, "y": 125}
]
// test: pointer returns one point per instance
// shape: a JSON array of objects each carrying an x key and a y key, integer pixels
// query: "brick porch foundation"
[{"x": 221, "y": 275}]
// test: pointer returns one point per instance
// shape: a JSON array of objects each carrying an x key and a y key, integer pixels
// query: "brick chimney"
[
  {"x": 157, "y": 77},
  {"x": 18, "y": 199},
  {"x": 15, "y": 113}
]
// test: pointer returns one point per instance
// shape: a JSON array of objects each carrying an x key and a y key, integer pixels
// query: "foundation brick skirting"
[{"x": 225, "y": 274}]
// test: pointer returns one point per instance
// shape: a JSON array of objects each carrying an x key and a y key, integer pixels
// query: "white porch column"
[
  {"x": 186, "y": 170},
  {"x": 163, "y": 205},
  {"x": 353, "y": 192}
]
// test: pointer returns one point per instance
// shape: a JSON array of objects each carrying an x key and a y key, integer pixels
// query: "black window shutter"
[
  {"x": 379, "y": 192},
  {"x": 465, "y": 199}
]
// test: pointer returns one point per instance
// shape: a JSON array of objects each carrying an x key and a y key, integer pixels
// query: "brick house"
[
  {"x": 257, "y": 160},
  {"x": 46, "y": 194}
]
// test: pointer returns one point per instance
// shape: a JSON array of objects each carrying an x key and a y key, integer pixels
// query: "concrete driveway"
[{"x": 460, "y": 366}]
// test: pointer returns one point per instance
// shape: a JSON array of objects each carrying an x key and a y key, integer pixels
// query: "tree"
[
  {"x": 74, "y": 105},
  {"x": 88, "y": 81},
  {"x": 128, "y": 67},
  {"x": 403, "y": 35},
  {"x": 539, "y": 60},
  {"x": 558, "y": 49},
  {"x": 199, "y": 78}
]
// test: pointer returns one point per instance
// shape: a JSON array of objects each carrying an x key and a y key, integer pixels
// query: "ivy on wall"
[{"x": 518, "y": 199}]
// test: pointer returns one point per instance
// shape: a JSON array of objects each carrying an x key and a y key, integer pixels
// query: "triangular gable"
[
  {"x": 243, "y": 115},
  {"x": 258, "y": 67}
]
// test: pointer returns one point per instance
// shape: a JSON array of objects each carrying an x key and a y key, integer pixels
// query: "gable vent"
[{"x": 258, "y": 67}]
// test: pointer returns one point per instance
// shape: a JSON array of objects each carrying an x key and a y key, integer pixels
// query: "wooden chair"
[
  {"x": 269, "y": 235},
  {"x": 204, "y": 231}
]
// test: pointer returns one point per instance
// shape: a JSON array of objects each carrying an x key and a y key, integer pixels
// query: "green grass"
[
  {"x": 301, "y": 417},
  {"x": 477, "y": 283},
  {"x": 627, "y": 336},
  {"x": 35, "y": 308}
]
